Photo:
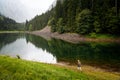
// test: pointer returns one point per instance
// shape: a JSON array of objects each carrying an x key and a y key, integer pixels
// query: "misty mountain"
[
  {"x": 14, "y": 9},
  {"x": 20, "y": 10}
]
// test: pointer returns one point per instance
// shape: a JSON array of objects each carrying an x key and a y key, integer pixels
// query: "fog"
[{"x": 22, "y": 10}]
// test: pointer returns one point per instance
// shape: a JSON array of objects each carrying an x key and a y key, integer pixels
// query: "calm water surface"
[
  {"x": 29, "y": 47},
  {"x": 18, "y": 45}
]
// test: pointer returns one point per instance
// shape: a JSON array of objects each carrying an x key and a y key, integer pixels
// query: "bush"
[
  {"x": 93, "y": 35},
  {"x": 53, "y": 28},
  {"x": 61, "y": 30}
]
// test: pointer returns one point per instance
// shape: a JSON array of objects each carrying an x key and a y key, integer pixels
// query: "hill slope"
[{"x": 81, "y": 16}]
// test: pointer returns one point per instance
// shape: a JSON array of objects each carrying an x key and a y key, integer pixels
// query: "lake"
[{"x": 34, "y": 48}]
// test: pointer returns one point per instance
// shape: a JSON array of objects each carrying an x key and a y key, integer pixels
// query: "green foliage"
[
  {"x": 93, "y": 35},
  {"x": 52, "y": 24},
  {"x": 30, "y": 27},
  {"x": 1, "y": 18},
  {"x": 113, "y": 21},
  {"x": 58, "y": 10},
  {"x": 81, "y": 16},
  {"x": 85, "y": 16},
  {"x": 60, "y": 25},
  {"x": 97, "y": 26},
  {"x": 39, "y": 22},
  {"x": 53, "y": 28},
  {"x": 84, "y": 22},
  {"x": 7, "y": 24}
]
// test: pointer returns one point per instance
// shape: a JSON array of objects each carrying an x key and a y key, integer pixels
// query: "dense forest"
[
  {"x": 80, "y": 16},
  {"x": 7, "y": 24}
]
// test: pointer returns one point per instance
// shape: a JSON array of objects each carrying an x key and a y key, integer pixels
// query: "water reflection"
[
  {"x": 105, "y": 55},
  {"x": 27, "y": 51}
]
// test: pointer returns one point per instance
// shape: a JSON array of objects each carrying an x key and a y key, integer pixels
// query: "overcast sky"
[
  {"x": 37, "y": 6},
  {"x": 20, "y": 10}
]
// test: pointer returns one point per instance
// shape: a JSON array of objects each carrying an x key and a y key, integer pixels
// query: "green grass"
[
  {"x": 12, "y": 32},
  {"x": 102, "y": 36},
  {"x": 17, "y": 69}
]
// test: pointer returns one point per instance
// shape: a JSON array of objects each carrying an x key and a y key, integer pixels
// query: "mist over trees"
[
  {"x": 14, "y": 9},
  {"x": 7, "y": 24},
  {"x": 81, "y": 16},
  {"x": 39, "y": 22}
]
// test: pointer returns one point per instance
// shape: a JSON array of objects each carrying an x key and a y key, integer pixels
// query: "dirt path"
[{"x": 69, "y": 37}]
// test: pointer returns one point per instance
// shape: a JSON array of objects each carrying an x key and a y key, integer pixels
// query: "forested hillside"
[
  {"x": 80, "y": 16},
  {"x": 39, "y": 22},
  {"x": 7, "y": 24}
]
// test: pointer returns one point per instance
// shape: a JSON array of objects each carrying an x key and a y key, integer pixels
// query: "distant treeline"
[
  {"x": 80, "y": 16},
  {"x": 7, "y": 24}
]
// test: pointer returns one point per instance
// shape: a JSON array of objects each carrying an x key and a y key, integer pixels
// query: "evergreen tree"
[{"x": 81, "y": 16}]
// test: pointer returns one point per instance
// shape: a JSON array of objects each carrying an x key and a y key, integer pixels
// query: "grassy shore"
[
  {"x": 102, "y": 36},
  {"x": 17, "y": 69},
  {"x": 12, "y": 32}
]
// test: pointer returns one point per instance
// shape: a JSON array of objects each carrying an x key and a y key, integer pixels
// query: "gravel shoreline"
[{"x": 69, "y": 37}]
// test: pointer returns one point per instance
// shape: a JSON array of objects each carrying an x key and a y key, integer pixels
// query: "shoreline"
[
  {"x": 73, "y": 38},
  {"x": 87, "y": 69},
  {"x": 69, "y": 37}
]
